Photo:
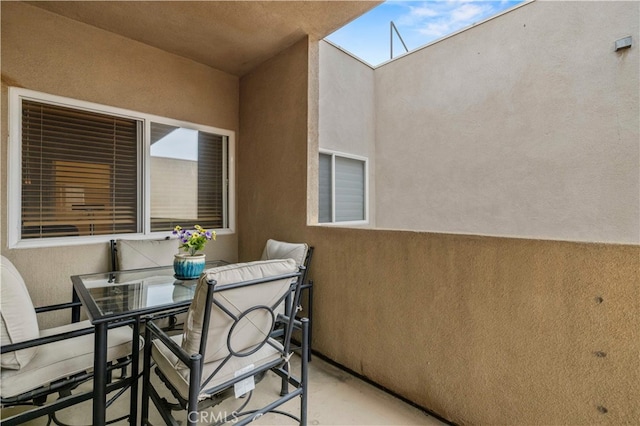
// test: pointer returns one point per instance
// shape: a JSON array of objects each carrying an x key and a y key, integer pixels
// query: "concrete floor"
[{"x": 335, "y": 398}]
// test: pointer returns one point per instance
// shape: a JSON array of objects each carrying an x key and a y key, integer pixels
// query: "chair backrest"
[
  {"x": 136, "y": 254},
  {"x": 274, "y": 249},
  {"x": 18, "y": 321},
  {"x": 241, "y": 315},
  {"x": 300, "y": 252}
]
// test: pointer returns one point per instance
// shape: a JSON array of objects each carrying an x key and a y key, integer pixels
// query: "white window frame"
[
  {"x": 14, "y": 170},
  {"x": 365, "y": 160}
]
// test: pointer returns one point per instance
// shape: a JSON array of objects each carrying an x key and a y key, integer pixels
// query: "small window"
[
  {"x": 79, "y": 171},
  {"x": 342, "y": 188}
]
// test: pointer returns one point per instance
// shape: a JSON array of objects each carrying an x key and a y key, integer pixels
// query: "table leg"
[
  {"x": 100, "y": 375},
  {"x": 75, "y": 310},
  {"x": 135, "y": 351}
]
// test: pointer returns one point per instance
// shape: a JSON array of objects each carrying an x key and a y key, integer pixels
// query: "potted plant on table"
[{"x": 190, "y": 265}]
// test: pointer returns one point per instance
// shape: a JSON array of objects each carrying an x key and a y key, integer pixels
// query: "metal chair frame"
[
  {"x": 296, "y": 307},
  {"x": 38, "y": 397},
  {"x": 195, "y": 362}
]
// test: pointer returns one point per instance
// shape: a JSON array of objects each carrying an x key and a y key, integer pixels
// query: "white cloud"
[
  {"x": 422, "y": 12},
  {"x": 468, "y": 12},
  {"x": 435, "y": 29},
  {"x": 439, "y": 18}
]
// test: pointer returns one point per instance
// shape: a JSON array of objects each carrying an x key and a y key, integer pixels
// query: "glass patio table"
[{"x": 127, "y": 296}]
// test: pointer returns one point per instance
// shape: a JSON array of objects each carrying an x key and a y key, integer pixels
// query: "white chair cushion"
[
  {"x": 252, "y": 329},
  {"x": 63, "y": 358},
  {"x": 178, "y": 375},
  {"x": 135, "y": 254},
  {"x": 280, "y": 250},
  {"x": 18, "y": 321}
]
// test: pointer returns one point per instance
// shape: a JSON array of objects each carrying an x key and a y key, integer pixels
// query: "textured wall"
[
  {"x": 272, "y": 166},
  {"x": 48, "y": 53},
  {"x": 482, "y": 330},
  {"x": 526, "y": 125},
  {"x": 347, "y": 121}
]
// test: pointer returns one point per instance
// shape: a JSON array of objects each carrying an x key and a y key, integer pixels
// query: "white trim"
[
  {"x": 14, "y": 169},
  {"x": 144, "y": 202},
  {"x": 365, "y": 160}
]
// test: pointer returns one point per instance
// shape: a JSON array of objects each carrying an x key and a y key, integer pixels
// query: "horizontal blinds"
[
  {"x": 210, "y": 180},
  {"x": 349, "y": 189},
  {"x": 187, "y": 190},
  {"x": 324, "y": 185},
  {"x": 79, "y": 172}
]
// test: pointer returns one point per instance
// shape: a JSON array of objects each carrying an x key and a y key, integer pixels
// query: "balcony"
[{"x": 497, "y": 281}]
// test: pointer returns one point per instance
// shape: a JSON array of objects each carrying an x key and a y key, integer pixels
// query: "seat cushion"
[
  {"x": 136, "y": 254},
  {"x": 178, "y": 374},
  {"x": 18, "y": 321},
  {"x": 63, "y": 358},
  {"x": 280, "y": 250},
  {"x": 255, "y": 326}
]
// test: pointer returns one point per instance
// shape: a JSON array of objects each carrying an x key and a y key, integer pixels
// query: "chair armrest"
[
  {"x": 44, "y": 340},
  {"x": 39, "y": 341},
  {"x": 177, "y": 350},
  {"x": 57, "y": 307},
  {"x": 297, "y": 322}
]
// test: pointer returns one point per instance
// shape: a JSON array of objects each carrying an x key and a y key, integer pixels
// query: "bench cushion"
[
  {"x": 64, "y": 358},
  {"x": 18, "y": 320}
]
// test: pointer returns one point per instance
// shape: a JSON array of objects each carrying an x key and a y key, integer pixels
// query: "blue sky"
[{"x": 419, "y": 23}]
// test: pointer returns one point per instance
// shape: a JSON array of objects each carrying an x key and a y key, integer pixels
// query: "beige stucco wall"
[
  {"x": 347, "y": 121},
  {"x": 527, "y": 125},
  {"x": 272, "y": 159},
  {"x": 482, "y": 330},
  {"x": 52, "y": 54}
]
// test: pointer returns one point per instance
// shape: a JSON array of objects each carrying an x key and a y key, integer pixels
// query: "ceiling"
[{"x": 232, "y": 36}]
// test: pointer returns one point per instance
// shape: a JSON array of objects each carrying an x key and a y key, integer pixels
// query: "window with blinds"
[
  {"x": 342, "y": 189},
  {"x": 187, "y": 178},
  {"x": 82, "y": 171},
  {"x": 79, "y": 172}
]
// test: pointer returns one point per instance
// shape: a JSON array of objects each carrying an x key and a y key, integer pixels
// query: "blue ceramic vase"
[{"x": 188, "y": 267}]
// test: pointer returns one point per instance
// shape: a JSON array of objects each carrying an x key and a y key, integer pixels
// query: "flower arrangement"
[{"x": 194, "y": 240}]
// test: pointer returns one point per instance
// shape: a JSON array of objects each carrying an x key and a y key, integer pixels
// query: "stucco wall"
[
  {"x": 272, "y": 164},
  {"x": 482, "y": 330},
  {"x": 526, "y": 125},
  {"x": 347, "y": 121},
  {"x": 52, "y": 54}
]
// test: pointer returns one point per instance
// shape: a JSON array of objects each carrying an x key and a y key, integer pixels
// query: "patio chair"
[
  {"x": 227, "y": 346},
  {"x": 137, "y": 254},
  {"x": 38, "y": 363},
  {"x": 301, "y": 253}
]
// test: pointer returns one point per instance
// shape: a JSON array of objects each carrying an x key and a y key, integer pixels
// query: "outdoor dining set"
[{"x": 184, "y": 344}]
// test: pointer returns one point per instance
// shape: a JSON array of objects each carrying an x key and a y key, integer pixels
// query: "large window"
[
  {"x": 342, "y": 188},
  {"x": 80, "y": 171}
]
